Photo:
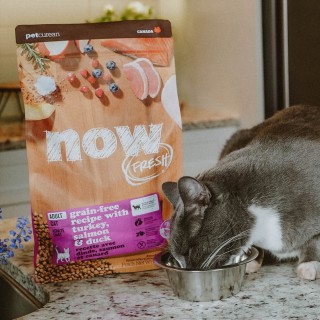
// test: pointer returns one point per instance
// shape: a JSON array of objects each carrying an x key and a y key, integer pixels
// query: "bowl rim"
[{"x": 157, "y": 261}]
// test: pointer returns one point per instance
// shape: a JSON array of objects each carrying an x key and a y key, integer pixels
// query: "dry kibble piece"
[
  {"x": 95, "y": 63},
  {"x": 107, "y": 77},
  {"x": 71, "y": 77},
  {"x": 84, "y": 73},
  {"x": 99, "y": 93},
  {"x": 84, "y": 89},
  {"x": 92, "y": 79}
]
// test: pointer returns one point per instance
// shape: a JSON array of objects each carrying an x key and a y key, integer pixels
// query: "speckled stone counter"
[{"x": 273, "y": 293}]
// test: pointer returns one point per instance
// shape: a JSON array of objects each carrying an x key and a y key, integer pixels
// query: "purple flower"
[{"x": 16, "y": 238}]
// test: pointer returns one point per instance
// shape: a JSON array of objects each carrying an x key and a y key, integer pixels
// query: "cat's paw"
[
  {"x": 253, "y": 266},
  {"x": 309, "y": 270}
]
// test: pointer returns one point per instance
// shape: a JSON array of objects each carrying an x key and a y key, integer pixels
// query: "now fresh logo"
[
  {"x": 42, "y": 35},
  {"x": 146, "y": 157}
]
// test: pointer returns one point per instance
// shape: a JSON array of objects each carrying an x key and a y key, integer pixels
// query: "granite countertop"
[
  {"x": 12, "y": 134},
  {"x": 274, "y": 292}
]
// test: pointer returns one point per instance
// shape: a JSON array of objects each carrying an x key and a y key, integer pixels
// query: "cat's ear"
[
  {"x": 170, "y": 189},
  {"x": 193, "y": 192},
  {"x": 196, "y": 198}
]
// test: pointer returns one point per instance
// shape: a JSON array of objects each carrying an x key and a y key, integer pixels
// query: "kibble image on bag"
[{"x": 103, "y": 132}]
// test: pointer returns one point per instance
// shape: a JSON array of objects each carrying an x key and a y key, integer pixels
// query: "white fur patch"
[
  {"x": 266, "y": 232},
  {"x": 309, "y": 270}
]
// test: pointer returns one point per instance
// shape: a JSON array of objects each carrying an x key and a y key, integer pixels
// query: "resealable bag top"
[{"x": 103, "y": 131}]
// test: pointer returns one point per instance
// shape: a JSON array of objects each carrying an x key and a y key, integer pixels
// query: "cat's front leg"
[{"x": 309, "y": 260}]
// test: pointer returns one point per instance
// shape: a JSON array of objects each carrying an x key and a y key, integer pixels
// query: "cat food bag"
[{"x": 103, "y": 132}]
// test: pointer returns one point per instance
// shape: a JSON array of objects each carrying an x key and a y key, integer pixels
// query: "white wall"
[{"x": 219, "y": 55}]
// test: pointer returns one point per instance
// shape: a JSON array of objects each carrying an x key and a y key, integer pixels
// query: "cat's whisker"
[
  {"x": 231, "y": 239},
  {"x": 208, "y": 262},
  {"x": 224, "y": 232},
  {"x": 180, "y": 260},
  {"x": 223, "y": 244},
  {"x": 222, "y": 254},
  {"x": 174, "y": 240}
]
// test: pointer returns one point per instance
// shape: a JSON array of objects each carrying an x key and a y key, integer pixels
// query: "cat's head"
[{"x": 200, "y": 223}]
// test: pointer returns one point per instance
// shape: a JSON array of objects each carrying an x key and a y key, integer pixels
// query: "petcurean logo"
[
  {"x": 154, "y": 30},
  {"x": 42, "y": 35}
]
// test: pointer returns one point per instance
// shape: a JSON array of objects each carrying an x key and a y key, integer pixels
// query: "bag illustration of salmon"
[{"x": 103, "y": 132}]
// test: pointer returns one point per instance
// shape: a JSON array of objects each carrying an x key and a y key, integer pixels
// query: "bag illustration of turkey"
[{"x": 104, "y": 131}]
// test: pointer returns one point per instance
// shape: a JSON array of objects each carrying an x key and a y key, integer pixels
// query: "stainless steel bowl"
[{"x": 204, "y": 285}]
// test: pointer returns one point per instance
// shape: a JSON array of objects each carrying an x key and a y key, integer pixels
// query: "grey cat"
[{"x": 264, "y": 191}]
